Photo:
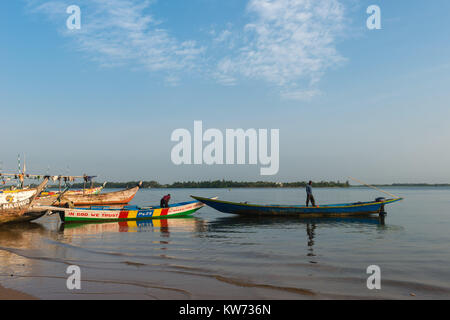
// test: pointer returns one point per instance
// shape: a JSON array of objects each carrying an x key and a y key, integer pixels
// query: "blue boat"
[{"x": 331, "y": 210}]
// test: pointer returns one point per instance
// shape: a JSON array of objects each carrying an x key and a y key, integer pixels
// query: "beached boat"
[
  {"x": 345, "y": 209},
  {"x": 12, "y": 196},
  {"x": 20, "y": 211},
  {"x": 100, "y": 213},
  {"x": 96, "y": 190},
  {"x": 103, "y": 199}
]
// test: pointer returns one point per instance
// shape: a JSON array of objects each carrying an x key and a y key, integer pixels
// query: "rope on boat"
[{"x": 370, "y": 186}]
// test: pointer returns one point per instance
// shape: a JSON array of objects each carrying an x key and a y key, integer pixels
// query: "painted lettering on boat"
[{"x": 113, "y": 214}]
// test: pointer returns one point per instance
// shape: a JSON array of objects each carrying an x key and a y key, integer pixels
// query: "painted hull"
[
  {"x": 18, "y": 211},
  {"x": 103, "y": 199},
  {"x": 26, "y": 217},
  {"x": 129, "y": 213},
  {"x": 347, "y": 209},
  {"x": 12, "y": 196}
]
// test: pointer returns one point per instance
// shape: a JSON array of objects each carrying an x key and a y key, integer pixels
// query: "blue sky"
[{"x": 347, "y": 100}]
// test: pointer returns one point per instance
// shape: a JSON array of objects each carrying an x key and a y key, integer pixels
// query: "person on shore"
[
  {"x": 309, "y": 195},
  {"x": 165, "y": 201}
]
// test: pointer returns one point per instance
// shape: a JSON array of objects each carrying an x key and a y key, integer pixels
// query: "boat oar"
[
  {"x": 59, "y": 198},
  {"x": 370, "y": 186}
]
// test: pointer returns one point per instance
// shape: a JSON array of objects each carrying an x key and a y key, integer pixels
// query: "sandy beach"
[{"x": 10, "y": 294}]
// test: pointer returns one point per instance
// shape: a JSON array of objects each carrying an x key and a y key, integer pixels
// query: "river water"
[{"x": 214, "y": 255}]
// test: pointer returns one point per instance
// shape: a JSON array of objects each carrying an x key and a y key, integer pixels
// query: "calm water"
[{"x": 218, "y": 256}]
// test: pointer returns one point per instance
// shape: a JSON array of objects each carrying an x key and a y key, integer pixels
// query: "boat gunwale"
[
  {"x": 106, "y": 208},
  {"x": 331, "y": 206}
]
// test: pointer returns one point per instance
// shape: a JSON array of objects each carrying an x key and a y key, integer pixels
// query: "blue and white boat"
[{"x": 330, "y": 210}]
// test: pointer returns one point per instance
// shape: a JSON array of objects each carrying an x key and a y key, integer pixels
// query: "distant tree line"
[{"x": 216, "y": 184}]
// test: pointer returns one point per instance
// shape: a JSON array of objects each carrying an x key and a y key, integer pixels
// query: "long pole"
[{"x": 370, "y": 186}]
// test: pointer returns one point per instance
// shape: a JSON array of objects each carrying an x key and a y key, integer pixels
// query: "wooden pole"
[{"x": 370, "y": 186}]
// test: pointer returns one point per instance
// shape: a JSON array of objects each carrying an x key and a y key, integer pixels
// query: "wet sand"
[{"x": 10, "y": 294}]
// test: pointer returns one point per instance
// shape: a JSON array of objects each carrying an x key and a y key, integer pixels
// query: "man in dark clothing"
[
  {"x": 309, "y": 195},
  {"x": 165, "y": 201}
]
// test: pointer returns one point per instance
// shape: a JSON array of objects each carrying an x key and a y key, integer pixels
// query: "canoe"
[
  {"x": 96, "y": 190},
  {"x": 103, "y": 199},
  {"x": 19, "y": 211},
  {"x": 101, "y": 213},
  {"x": 345, "y": 209}
]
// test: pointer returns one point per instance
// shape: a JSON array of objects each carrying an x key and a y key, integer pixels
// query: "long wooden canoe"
[
  {"x": 18, "y": 211},
  {"x": 103, "y": 199},
  {"x": 96, "y": 190},
  {"x": 345, "y": 209},
  {"x": 99, "y": 213}
]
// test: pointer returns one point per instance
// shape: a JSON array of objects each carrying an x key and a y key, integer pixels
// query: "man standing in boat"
[
  {"x": 165, "y": 201},
  {"x": 309, "y": 195}
]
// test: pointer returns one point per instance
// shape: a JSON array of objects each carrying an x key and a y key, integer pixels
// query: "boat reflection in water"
[
  {"x": 282, "y": 223},
  {"x": 19, "y": 243},
  {"x": 187, "y": 224}
]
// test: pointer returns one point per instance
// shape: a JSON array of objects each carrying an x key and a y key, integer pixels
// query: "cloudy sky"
[{"x": 347, "y": 100}]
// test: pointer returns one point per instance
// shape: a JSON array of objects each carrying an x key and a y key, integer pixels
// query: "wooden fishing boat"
[
  {"x": 20, "y": 211},
  {"x": 103, "y": 199},
  {"x": 101, "y": 213},
  {"x": 345, "y": 209},
  {"x": 12, "y": 196},
  {"x": 55, "y": 194}
]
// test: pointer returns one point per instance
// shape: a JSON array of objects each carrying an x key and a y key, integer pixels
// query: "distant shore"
[
  {"x": 214, "y": 184},
  {"x": 244, "y": 184}
]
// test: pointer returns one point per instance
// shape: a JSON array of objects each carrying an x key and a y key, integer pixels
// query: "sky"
[{"x": 348, "y": 101}]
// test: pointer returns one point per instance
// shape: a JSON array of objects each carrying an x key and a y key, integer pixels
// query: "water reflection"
[
  {"x": 164, "y": 226},
  {"x": 260, "y": 221},
  {"x": 18, "y": 231},
  {"x": 17, "y": 242},
  {"x": 249, "y": 224},
  {"x": 310, "y": 231}
]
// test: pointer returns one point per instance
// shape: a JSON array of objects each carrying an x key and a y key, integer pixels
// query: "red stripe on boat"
[
  {"x": 123, "y": 215},
  {"x": 164, "y": 212}
]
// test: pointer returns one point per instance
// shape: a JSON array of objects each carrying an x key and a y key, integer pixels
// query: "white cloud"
[
  {"x": 223, "y": 36},
  {"x": 288, "y": 43},
  {"x": 298, "y": 94},
  {"x": 123, "y": 32}
]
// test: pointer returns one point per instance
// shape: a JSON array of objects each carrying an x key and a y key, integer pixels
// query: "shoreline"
[{"x": 11, "y": 294}]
